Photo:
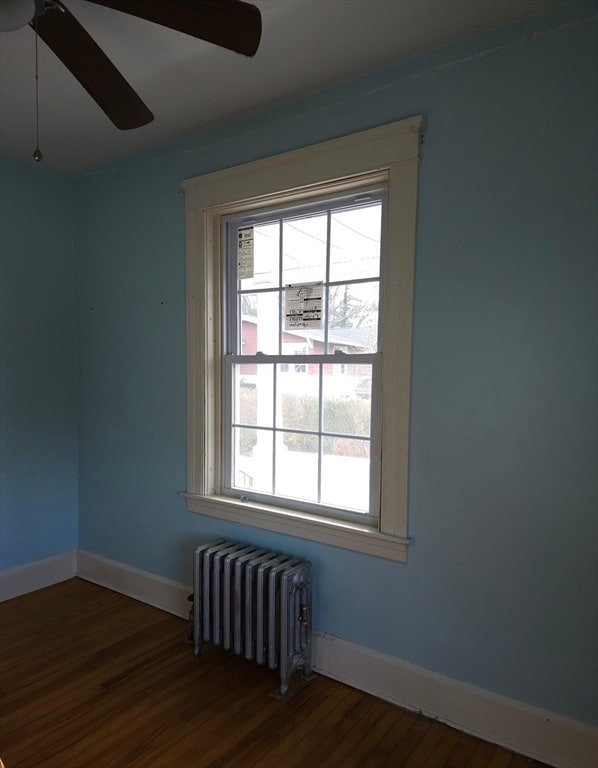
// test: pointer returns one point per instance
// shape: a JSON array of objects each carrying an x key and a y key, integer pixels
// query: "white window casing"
[{"x": 388, "y": 154}]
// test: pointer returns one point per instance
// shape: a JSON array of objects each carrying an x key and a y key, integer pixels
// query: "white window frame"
[{"x": 388, "y": 154}]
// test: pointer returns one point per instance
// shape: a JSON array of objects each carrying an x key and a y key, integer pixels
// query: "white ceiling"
[{"x": 189, "y": 84}]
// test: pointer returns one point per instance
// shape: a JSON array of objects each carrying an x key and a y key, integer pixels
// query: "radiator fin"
[{"x": 254, "y": 602}]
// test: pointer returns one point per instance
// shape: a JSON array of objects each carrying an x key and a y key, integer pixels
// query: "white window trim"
[{"x": 391, "y": 153}]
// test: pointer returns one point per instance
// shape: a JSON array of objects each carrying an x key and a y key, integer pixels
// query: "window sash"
[
  {"x": 369, "y": 517},
  {"x": 359, "y": 198}
]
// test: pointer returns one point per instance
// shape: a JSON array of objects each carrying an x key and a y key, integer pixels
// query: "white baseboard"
[
  {"x": 33, "y": 576},
  {"x": 525, "y": 729},
  {"x": 146, "y": 587}
]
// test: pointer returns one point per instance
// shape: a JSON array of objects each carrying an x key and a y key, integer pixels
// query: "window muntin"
[{"x": 298, "y": 426}]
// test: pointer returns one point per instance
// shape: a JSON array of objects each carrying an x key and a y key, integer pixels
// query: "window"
[
  {"x": 304, "y": 285},
  {"x": 299, "y": 345}
]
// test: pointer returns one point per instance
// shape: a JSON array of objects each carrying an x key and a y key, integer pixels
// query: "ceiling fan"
[{"x": 231, "y": 24}]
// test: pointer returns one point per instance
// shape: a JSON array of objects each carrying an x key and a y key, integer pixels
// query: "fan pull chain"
[{"x": 37, "y": 155}]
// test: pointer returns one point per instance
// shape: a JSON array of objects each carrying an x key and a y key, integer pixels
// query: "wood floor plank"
[
  {"x": 352, "y": 734},
  {"x": 500, "y": 758},
  {"x": 481, "y": 755},
  {"x": 408, "y": 743},
  {"x": 368, "y": 750},
  {"x": 462, "y": 752},
  {"x": 388, "y": 743},
  {"x": 297, "y": 742},
  {"x": 91, "y": 678},
  {"x": 423, "y": 751},
  {"x": 263, "y": 722},
  {"x": 443, "y": 749}
]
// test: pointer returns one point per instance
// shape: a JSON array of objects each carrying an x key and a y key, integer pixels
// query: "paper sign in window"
[
  {"x": 245, "y": 253},
  {"x": 303, "y": 305}
]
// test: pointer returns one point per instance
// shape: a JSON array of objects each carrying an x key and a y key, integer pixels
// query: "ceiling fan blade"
[
  {"x": 231, "y": 24},
  {"x": 83, "y": 57}
]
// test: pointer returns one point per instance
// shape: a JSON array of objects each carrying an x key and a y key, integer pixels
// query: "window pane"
[
  {"x": 347, "y": 393},
  {"x": 355, "y": 243},
  {"x": 353, "y": 317},
  {"x": 253, "y": 394},
  {"x": 346, "y": 473},
  {"x": 304, "y": 249},
  {"x": 266, "y": 249},
  {"x": 301, "y": 426},
  {"x": 297, "y": 397},
  {"x": 260, "y": 320},
  {"x": 252, "y": 459},
  {"x": 297, "y": 465}
]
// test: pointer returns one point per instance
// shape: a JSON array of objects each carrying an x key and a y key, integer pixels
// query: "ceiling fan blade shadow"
[
  {"x": 83, "y": 57},
  {"x": 231, "y": 24}
]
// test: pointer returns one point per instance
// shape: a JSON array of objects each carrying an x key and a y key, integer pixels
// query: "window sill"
[{"x": 358, "y": 538}]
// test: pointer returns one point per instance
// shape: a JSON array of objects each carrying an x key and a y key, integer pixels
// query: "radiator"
[{"x": 256, "y": 603}]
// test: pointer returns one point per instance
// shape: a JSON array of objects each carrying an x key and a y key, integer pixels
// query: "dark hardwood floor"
[{"x": 90, "y": 679}]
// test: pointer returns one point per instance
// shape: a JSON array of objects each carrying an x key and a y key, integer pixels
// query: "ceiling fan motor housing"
[{"x": 14, "y": 14}]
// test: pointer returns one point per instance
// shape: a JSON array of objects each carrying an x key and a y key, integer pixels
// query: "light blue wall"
[
  {"x": 38, "y": 403},
  {"x": 500, "y": 586}
]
